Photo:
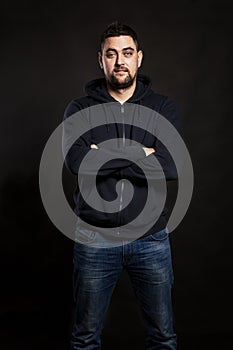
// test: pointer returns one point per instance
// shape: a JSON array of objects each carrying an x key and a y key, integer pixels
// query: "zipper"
[
  {"x": 123, "y": 182},
  {"x": 123, "y": 118}
]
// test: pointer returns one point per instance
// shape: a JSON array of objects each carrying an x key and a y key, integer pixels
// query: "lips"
[
  {"x": 121, "y": 73},
  {"x": 121, "y": 70}
]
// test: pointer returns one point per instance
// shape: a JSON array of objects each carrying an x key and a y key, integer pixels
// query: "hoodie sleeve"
[
  {"x": 80, "y": 148},
  {"x": 167, "y": 166}
]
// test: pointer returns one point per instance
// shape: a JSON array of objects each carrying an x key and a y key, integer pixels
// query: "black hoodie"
[{"x": 119, "y": 167}]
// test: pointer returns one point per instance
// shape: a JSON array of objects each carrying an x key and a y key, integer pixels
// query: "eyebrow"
[{"x": 124, "y": 49}]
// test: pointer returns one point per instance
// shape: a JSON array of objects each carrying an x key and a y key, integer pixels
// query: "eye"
[
  {"x": 128, "y": 53},
  {"x": 110, "y": 54}
]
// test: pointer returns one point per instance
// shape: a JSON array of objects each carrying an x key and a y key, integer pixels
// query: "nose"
[{"x": 119, "y": 60}]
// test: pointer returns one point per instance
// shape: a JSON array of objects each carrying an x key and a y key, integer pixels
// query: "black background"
[{"x": 48, "y": 52}]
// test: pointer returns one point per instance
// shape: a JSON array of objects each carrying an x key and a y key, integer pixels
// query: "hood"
[{"x": 97, "y": 89}]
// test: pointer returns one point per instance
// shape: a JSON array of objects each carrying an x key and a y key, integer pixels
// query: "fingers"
[{"x": 94, "y": 146}]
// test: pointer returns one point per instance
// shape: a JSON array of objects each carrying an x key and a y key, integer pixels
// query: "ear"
[
  {"x": 140, "y": 56},
  {"x": 100, "y": 59}
]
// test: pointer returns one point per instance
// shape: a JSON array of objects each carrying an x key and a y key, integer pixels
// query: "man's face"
[{"x": 120, "y": 61}]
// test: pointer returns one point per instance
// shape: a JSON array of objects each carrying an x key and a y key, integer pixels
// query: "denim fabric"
[{"x": 96, "y": 272}]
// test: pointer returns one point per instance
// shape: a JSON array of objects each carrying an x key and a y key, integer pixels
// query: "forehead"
[{"x": 119, "y": 42}]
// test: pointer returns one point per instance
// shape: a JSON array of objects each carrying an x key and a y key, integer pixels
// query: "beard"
[{"x": 117, "y": 84}]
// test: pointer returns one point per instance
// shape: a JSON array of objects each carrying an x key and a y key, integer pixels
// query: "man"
[{"x": 146, "y": 256}]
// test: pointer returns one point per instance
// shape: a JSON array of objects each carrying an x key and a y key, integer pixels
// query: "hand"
[
  {"x": 148, "y": 151},
  {"x": 94, "y": 146}
]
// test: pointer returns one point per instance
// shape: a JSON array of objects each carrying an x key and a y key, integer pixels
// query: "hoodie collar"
[{"x": 97, "y": 89}]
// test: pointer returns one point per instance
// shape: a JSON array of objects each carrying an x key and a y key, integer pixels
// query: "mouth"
[{"x": 122, "y": 70}]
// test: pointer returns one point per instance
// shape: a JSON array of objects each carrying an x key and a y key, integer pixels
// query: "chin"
[{"x": 123, "y": 83}]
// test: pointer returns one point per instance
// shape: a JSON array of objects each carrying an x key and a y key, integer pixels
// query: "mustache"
[{"x": 120, "y": 69}]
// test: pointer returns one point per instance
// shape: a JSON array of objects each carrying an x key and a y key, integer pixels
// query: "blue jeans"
[{"x": 96, "y": 272}]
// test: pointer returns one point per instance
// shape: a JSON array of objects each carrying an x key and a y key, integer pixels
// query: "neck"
[{"x": 122, "y": 95}]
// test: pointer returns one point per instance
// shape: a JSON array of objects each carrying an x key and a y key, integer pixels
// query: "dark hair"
[{"x": 116, "y": 29}]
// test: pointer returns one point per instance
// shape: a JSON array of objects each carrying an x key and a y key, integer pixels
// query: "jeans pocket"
[
  {"x": 160, "y": 235},
  {"x": 85, "y": 236}
]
